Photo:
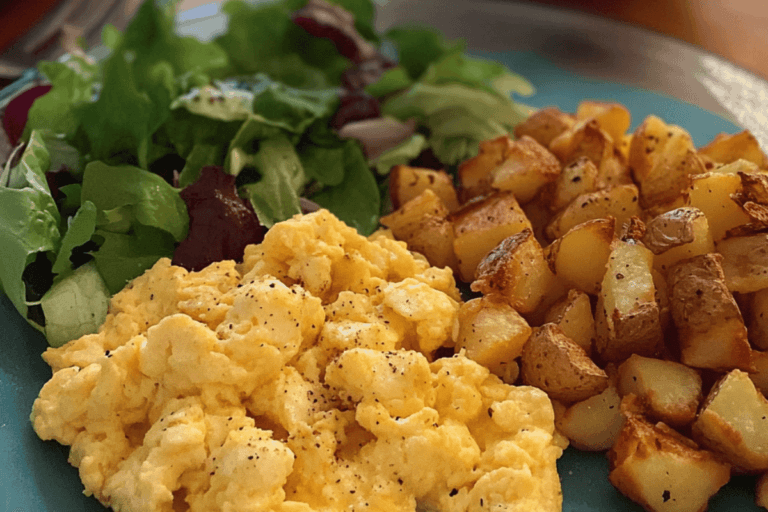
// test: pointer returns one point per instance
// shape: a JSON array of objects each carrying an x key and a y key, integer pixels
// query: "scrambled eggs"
[{"x": 303, "y": 379}]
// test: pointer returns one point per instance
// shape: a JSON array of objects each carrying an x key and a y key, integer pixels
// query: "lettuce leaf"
[
  {"x": 356, "y": 200},
  {"x": 263, "y": 39},
  {"x": 145, "y": 197},
  {"x": 275, "y": 197},
  {"x": 75, "y": 306},
  {"x": 80, "y": 228},
  {"x": 123, "y": 257},
  {"x": 30, "y": 219}
]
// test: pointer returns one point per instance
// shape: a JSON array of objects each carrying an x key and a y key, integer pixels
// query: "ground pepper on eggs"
[{"x": 303, "y": 379}]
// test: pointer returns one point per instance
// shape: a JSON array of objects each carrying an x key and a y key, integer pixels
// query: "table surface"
[{"x": 734, "y": 29}]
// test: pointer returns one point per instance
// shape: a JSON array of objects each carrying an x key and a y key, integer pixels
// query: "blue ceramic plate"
[{"x": 35, "y": 475}]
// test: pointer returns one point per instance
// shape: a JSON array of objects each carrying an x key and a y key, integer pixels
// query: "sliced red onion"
[{"x": 378, "y": 135}]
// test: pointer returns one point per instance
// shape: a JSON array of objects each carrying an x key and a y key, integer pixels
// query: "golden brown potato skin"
[
  {"x": 710, "y": 327},
  {"x": 516, "y": 271},
  {"x": 545, "y": 124},
  {"x": 480, "y": 225},
  {"x": 733, "y": 421},
  {"x": 661, "y": 469},
  {"x": 554, "y": 363}
]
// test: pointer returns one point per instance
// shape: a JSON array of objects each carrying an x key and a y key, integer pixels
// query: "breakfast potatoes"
[{"x": 639, "y": 264}]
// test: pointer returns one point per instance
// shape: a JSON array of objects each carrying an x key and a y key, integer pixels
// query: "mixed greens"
[{"x": 93, "y": 195}]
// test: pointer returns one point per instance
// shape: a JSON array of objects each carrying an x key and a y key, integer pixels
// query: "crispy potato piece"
[
  {"x": 661, "y": 469},
  {"x": 593, "y": 424},
  {"x": 516, "y": 271},
  {"x": 587, "y": 139},
  {"x": 491, "y": 333},
  {"x": 735, "y": 167},
  {"x": 434, "y": 239},
  {"x": 480, "y": 225},
  {"x": 758, "y": 323},
  {"x": 421, "y": 223},
  {"x": 627, "y": 317},
  {"x": 579, "y": 256},
  {"x": 726, "y": 148},
  {"x": 475, "y": 174},
  {"x": 526, "y": 168},
  {"x": 670, "y": 391},
  {"x": 406, "y": 182},
  {"x": 710, "y": 328},
  {"x": 711, "y": 193},
  {"x": 409, "y": 216},
  {"x": 753, "y": 199},
  {"x": 619, "y": 202},
  {"x": 554, "y": 363},
  {"x": 745, "y": 262},
  {"x": 733, "y": 422},
  {"x": 544, "y": 125},
  {"x": 614, "y": 118},
  {"x": 761, "y": 491},
  {"x": 760, "y": 377},
  {"x": 662, "y": 156},
  {"x": 573, "y": 314},
  {"x": 577, "y": 178},
  {"x": 676, "y": 235}
]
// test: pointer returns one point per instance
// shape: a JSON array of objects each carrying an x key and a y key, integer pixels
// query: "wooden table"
[{"x": 734, "y": 29}]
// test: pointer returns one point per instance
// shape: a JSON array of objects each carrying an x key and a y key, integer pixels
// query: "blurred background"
[{"x": 734, "y": 29}]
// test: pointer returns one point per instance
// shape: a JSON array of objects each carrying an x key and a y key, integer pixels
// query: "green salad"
[{"x": 132, "y": 158}]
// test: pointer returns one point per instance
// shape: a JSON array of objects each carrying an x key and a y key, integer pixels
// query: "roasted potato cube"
[
  {"x": 676, "y": 235},
  {"x": 662, "y": 157},
  {"x": 554, "y": 363},
  {"x": 585, "y": 138},
  {"x": 661, "y": 469},
  {"x": 434, "y": 239},
  {"x": 491, "y": 333},
  {"x": 573, "y": 314},
  {"x": 527, "y": 167},
  {"x": 710, "y": 328},
  {"x": 619, "y": 202},
  {"x": 579, "y": 256},
  {"x": 614, "y": 118},
  {"x": 577, "y": 178},
  {"x": 670, "y": 391},
  {"x": 475, "y": 173},
  {"x": 421, "y": 223},
  {"x": 760, "y": 376},
  {"x": 711, "y": 193},
  {"x": 735, "y": 167},
  {"x": 480, "y": 225},
  {"x": 726, "y": 148},
  {"x": 733, "y": 422},
  {"x": 516, "y": 271},
  {"x": 544, "y": 125},
  {"x": 745, "y": 262},
  {"x": 593, "y": 424},
  {"x": 406, "y": 182},
  {"x": 627, "y": 317}
]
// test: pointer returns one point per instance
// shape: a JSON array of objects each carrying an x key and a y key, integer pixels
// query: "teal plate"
[{"x": 35, "y": 475}]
